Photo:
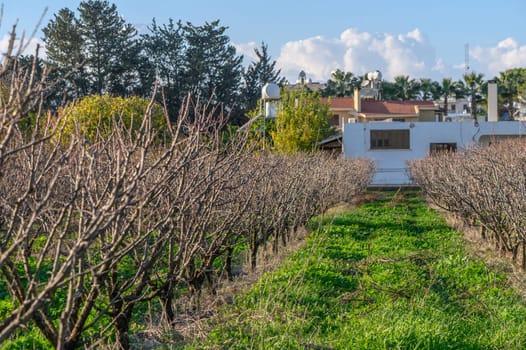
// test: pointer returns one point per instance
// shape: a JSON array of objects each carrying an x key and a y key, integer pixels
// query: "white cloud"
[
  {"x": 247, "y": 50},
  {"x": 317, "y": 56},
  {"x": 416, "y": 35},
  {"x": 507, "y": 54},
  {"x": 28, "y": 47},
  {"x": 393, "y": 54},
  {"x": 360, "y": 52}
]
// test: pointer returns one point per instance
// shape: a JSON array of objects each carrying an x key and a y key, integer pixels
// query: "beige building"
[
  {"x": 365, "y": 110},
  {"x": 358, "y": 110}
]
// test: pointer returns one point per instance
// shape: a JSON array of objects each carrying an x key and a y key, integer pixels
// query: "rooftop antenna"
[{"x": 466, "y": 57}]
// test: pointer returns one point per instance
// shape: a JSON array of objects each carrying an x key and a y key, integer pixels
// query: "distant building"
[
  {"x": 358, "y": 110},
  {"x": 520, "y": 109},
  {"x": 393, "y": 132},
  {"x": 458, "y": 109},
  {"x": 392, "y": 145},
  {"x": 304, "y": 83}
]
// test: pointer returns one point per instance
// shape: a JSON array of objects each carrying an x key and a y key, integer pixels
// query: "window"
[
  {"x": 442, "y": 147},
  {"x": 335, "y": 120},
  {"x": 453, "y": 108},
  {"x": 390, "y": 139}
]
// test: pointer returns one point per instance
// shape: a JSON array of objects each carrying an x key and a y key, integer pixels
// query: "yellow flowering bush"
[{"x": 98, "y": 116}]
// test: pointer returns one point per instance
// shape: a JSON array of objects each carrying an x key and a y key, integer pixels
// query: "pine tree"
[
  {"x": 212, "y": 69},
  {"x": 164, "y": 46},
  {"x": 64, "y": 47},
  {"x": 257, "y": 74},
  {"x": 98, "y": 52},
  {"x": 110, "y": 46}
]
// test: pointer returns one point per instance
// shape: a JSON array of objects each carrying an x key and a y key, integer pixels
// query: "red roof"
[{"x": 381, "y": 107}]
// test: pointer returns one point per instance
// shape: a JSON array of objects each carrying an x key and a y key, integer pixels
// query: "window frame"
[
  {"x": 439, "y": 147},
  {"x": 390, "y": 139}
]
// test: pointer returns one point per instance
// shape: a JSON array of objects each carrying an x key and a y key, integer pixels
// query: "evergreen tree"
[
  {"x": 97, "y": 52},
  {"x": 474, "y": 89},
  {"x": 65, "y": 52},
  {"x": 510, "y": 84},
  {"x": 388, "y": 91},
  {"x": 427, "y": 89},
  {"x": 406, "y": 88},
  {"x": 257, "y": 74},
  {"x": 110, "y": 47},
  {"x": 447, "y": 89},
  {"x": 164, "y": 46},
  {"x": 212, "y": 70}
]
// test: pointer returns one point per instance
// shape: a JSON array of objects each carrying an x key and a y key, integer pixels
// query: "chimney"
[
  {"x": 357, "y": 100},
  {"x": 493, "y": 114}
]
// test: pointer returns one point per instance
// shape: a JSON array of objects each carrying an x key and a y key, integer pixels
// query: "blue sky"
[{"x": 422, "y": 39}]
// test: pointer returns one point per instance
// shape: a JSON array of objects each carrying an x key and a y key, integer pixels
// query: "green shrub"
[{"x": 97, "y": 116}]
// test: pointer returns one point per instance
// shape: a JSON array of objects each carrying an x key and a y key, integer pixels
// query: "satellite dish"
[{"x": 365, "y": 83}]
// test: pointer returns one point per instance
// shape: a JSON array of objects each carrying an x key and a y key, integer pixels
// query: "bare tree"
[
  {"x": 92, "y": 228},
  {"x": 484, "y": 186}
]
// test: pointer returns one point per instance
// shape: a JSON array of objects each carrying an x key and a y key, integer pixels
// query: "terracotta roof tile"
[{"x": 380, "y": 107}]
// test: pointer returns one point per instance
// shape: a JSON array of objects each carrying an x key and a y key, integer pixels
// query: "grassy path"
[{"x": 388, "y": 275}]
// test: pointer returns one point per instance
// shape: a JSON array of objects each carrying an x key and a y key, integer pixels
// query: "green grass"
[{"x": 388, "y": 275}]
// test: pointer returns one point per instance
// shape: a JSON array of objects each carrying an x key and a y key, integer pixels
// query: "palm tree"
[
  {"x": 427, "y": 89},
  {"x": 448, "y": 89},
  {"x": 342, "y": 84},
  {"x": 474, "y": 90},
  {"x": 388, "y": 91},
  {"x": 510, "y": 83},
  {"x": 406, "y": 88}
]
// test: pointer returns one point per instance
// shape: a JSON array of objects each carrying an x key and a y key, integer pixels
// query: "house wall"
[
  {"x": 427, "y": 116},
  {"x": 391, "y": 118},
  {"x": 391, "y": 164},
  {"x": 455, "y": 106},
  {"x": 350, "y": 114},
  {"x": 344, "y": 116}
]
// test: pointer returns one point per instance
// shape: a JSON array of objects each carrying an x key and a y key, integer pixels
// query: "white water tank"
[
  {"x": 270, "y": 91},
  {"x": 374, "y": 75},
  {"x": 270, "y": 95}
]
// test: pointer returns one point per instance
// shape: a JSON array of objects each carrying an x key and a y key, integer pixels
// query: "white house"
[
  {"x": 390, "y": 145},
  {"x": 457, "y": 109}
]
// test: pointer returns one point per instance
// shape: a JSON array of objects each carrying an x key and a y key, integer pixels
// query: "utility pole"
[{"x": 466, "y": 57}]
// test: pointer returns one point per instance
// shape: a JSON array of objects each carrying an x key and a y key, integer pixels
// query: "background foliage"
[
  {"x": 301, "y": 123},
  {"x": 97, "y": 116}
]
